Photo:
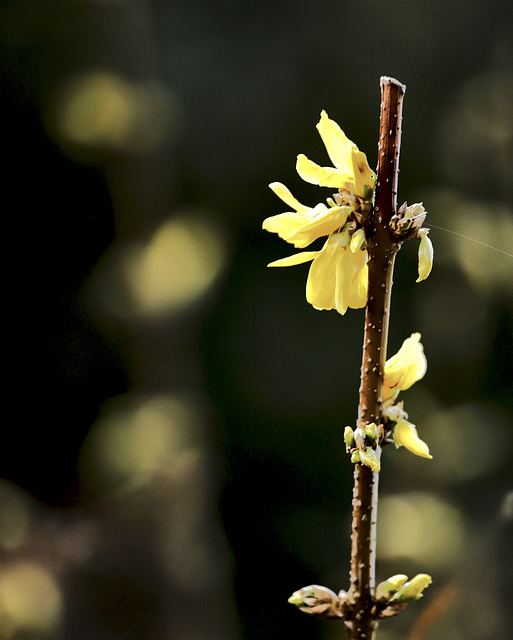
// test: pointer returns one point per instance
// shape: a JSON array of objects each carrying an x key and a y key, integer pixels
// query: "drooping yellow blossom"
[
  {"x": 337, "y": 278},
  {"x": 351, "y": 167},
  {"x": 405, "y": 434},
  {"x": 405, "y": 368},
  {"x": 426, "y": 254},
  {"x": 305, "y": 224}
]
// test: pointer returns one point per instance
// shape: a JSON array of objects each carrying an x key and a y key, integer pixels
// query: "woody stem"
[{"x": 382, "y": 249}]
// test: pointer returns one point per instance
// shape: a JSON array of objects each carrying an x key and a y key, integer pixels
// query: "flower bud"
[
  {"x": 359, "y": 436},
  {"x": 357, "y": 240},
  {"x": 349, "y": 437},
  {"x": 355, "y": 456},
  {"x": 405, "y": 435},
  {"x": 371, "y": 431},
  {"x": 387, "y": 588},
  {"x": 369, "y": 458},
  {"x": 317, "y": 601},
  {"x": 395, "y": 412},
  {"x": 426, "y": 254},
  {"x": 406, "y": 367},
  {"x": 415, "y": 210},
  {"x": 412, "y": 590}
]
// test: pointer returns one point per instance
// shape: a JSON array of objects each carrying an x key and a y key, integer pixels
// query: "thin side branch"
[{"x": 382, "y": 249}]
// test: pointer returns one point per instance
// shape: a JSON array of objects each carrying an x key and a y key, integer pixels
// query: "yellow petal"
[
  {"x": 360, "y": 281},
  {"x": 425, "y": 258},
  {"x": 284, "y": 194},
  {"x": 405, "y": 434},
  {"x": 284, "y": 224},
  {"x": 364, "y": 178},
  {"x": 297, "y": 258},
  {"x": 357, "y": 240},
  {"x": 407, "y": 366},
  {"x": 327, "y": 221},
  {"x": 321, "y": 283},
  {"x": 337, "y": 144},
  {"x": 322, "y": 176},
  {"x": 343, "y": 281}
]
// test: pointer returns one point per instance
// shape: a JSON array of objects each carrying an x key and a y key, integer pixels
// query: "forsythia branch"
[{"x": 354, "y": 268}]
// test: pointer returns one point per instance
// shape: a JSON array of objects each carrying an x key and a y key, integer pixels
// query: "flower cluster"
[
  {"x": 338, "y": 275},
  {"x": 402, "y": 370},
  {"x": 359, "y": 444}
]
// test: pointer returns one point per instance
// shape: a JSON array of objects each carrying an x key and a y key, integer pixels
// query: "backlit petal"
[
  {"x": 337, "y": 143},
  {"x": 284, "y": 194},
  {"x": 405, "y": 434},
  {"x": 323, "y": 224},
  {"x": 407, "y": 366},
  {"x": 360, "y": 279},
  {"x": 343, "y": 281},
  {"x": 321, "y": 283},
  {"x": 323, "y": 176},
  {"x": 297, "y": 258},
  {"x": 364, "y": 178},
  {"x": 284, "y": 224},
  {"x": 425, "y": 258}
]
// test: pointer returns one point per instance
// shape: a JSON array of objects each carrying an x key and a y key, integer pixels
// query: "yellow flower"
[
  {"x": 351, "y": 169},
  {"x": 337, "y": 278},
  {"x": 405, "y": 434},
  {"x": 425, "y": 258},
  {"x": 305, "y": 224},
  {"x": 405, "y": 368}
]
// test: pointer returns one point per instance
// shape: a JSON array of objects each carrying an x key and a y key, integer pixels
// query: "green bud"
[
  {"x": 414, "y": 210},
  {"x": 355, "y": 456},
  {"x": 371, "y": 431},
  {"x": 317, "y": 601},
  {"x": 387, "y": 588},
  {"x": 359, "y": 436},
  {"x": 412, "y": 590},
  {"x": 349, "y": 437},
  {"x": 369, "y": 458}
]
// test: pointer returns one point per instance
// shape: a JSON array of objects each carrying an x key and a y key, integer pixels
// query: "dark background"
[{"x": 172, "y": 460}]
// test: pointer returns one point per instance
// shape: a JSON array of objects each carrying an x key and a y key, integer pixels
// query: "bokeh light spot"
[
  {"x": 177, "y": 266},
  {"x": 173, "y": 270},
  {"x": 419, "y": 526},
  {"x": 467, "y": 441},
  {"x": 15, "y": 521},
  {"x": 101, "y": 109},
  {"x": 136, "y": 438},
  {"x": 30, "y": 599}
]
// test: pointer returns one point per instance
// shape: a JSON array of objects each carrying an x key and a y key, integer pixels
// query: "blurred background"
[{"x": 173, "y": 464}]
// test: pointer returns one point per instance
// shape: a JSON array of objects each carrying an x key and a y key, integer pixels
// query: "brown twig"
[{"x": 382, "y": 249}]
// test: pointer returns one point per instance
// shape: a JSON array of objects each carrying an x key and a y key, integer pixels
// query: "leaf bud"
[
  {"x": 317, "y": 601},
  {"x": 349, "y": 437},
  {"x": 387, "y": 588}
]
